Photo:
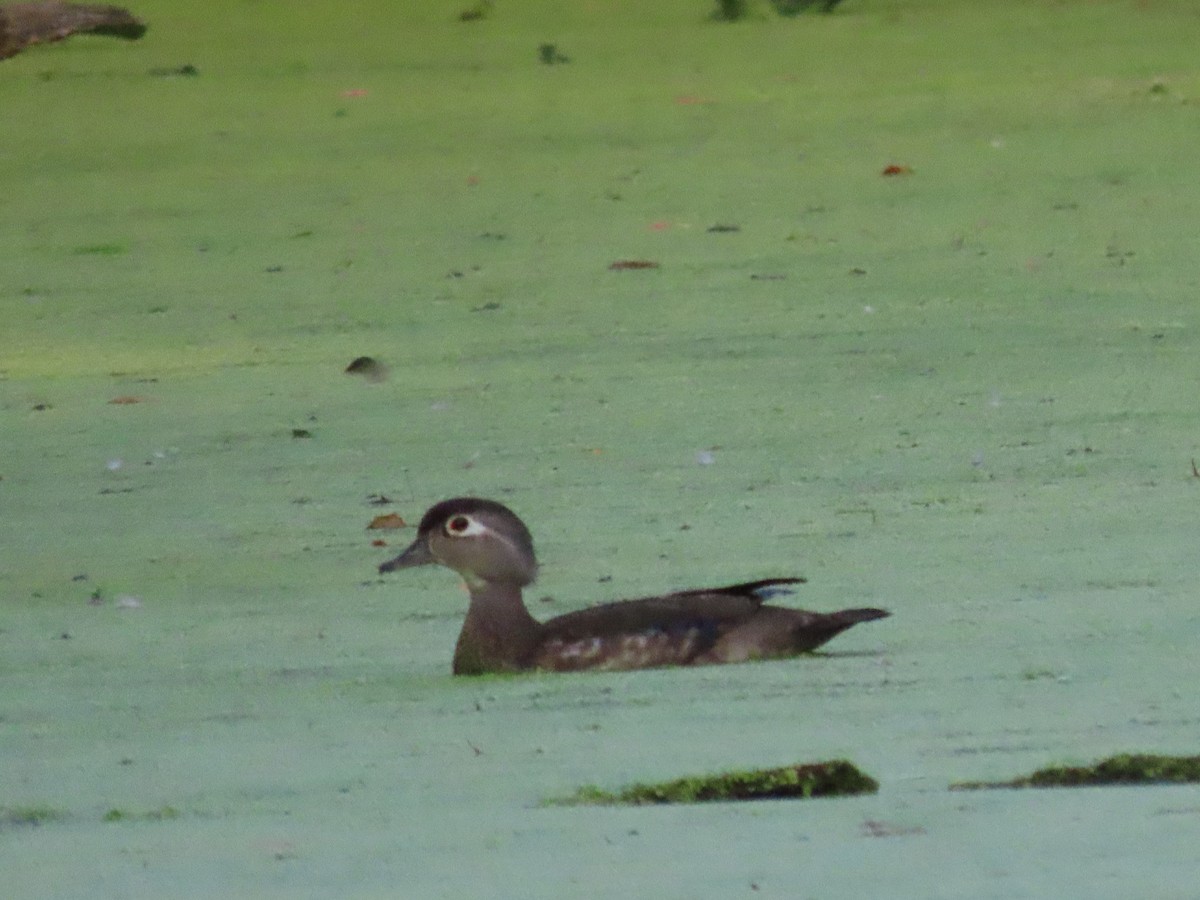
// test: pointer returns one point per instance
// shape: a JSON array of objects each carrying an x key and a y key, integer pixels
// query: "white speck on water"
[
  {"x": 440, "y": 405},
  {"x": 706, "y": 458},
  {"x": 977, "y": 458},
  {"x": 995, "y": 400},
  {"x": 868, "y": 309},
  {"x": 114, "y": 464},
  {"x": 127, "y": 602}
]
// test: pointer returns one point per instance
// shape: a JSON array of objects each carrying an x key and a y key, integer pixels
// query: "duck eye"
[{"x": 458, "y": 526}]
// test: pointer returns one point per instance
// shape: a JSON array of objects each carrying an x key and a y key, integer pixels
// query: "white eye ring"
[{"x": 461, "y": 525}]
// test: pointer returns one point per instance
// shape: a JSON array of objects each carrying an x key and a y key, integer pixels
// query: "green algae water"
[{"x": 964, "y": 391}]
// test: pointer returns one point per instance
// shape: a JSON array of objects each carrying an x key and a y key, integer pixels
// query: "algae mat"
[{"x": 966, "y": 391}]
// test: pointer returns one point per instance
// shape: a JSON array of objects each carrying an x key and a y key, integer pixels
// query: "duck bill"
[{"x": 416, "y": 554}]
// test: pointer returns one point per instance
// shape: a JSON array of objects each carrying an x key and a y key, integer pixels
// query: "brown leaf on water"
[
  {"x": 387, "y": 520},
  {"x": 894, "y": 169},
  {"x": 126, "y": 400}
]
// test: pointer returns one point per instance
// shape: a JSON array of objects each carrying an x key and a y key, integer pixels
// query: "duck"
[{"x": 489, "y": 546}]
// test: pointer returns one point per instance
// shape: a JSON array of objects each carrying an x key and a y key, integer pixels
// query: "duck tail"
[{"x": 848, "y": 617}]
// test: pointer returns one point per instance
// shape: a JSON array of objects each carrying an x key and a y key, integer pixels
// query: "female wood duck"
[{"x": 485, "y": 543}]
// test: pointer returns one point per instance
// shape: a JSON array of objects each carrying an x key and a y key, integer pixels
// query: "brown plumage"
[{"x": 490, "y": 547}]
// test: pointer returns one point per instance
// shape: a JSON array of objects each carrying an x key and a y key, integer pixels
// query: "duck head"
[{"x": 482, "y": 540}]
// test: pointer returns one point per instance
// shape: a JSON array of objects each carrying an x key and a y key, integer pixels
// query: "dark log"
[{"x": 25, "y": 24}]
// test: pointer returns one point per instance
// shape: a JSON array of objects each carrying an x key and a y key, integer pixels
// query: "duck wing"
[
  {"x": 672, "y": 629},
  {"x": 727, "y": 604}
]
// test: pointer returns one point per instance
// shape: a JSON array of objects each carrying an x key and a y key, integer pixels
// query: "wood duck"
[{"x": 490, "y": 547}]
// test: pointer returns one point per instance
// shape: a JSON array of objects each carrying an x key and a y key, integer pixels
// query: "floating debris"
[
  {"x": 25, "y": 24},
  {"x": 161, "y": 814},
  {"x": 1125, "y": 768},
  {"x": 19, "y": 816},
  {"x": 790, "y": 8},
  {"x": 368, "y": 367},
  {"x": 187, "y": 70},
  {"x": 476, "y": 13},
  {"x": 729, "y": 10},
  {"x": 879, "y": 829},
  {"x": 548, "y": 55},
  {"x": 825, "y": 779},
  {"x": 387, "y": 520}
]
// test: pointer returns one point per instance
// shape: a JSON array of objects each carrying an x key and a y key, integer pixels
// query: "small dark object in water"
[
  {"x": 624, "y": 264},
  {"x": 368, "y": 367},
  {"x": 361, "y": 365},
  {"x": 25, "y": 24},
  {"x": 186, "y": 70},
  {"x": 301, "y": 433},
  {"x": 476, "y": 13},
  {"x": 791, "y": 8},
  {"x": 721, "y": 228},
  {"x": 837, "y": 777},
  {"x": 729, "y": 10},
  {"x": 549, "y": 55}
]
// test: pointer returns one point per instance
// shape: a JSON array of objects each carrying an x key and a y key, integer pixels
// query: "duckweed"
[
  {"x": 1126, "y": 768},
  {"x": 161, "y": 814},
  {"x": 18, "y": 816},
  {"x": 824, "y": 779}
]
